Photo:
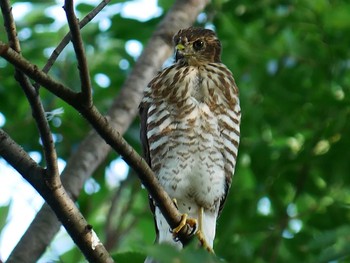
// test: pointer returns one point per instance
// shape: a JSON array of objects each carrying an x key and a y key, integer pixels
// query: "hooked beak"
[
  {"x": 180, "y": 47},
  {"x": 180, "y": 50}
]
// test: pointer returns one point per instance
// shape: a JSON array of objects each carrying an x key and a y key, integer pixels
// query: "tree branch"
[
  {"x": 34, "y": 100},
  {"x": 93, "y": 150},
  {"x": 77, "y": 41},
  {"x": 57, "y": 198},
  {"x": 50, "y": 186},
  {"x": 103, "y": 127},
  {"x": 106, "y": 131}
]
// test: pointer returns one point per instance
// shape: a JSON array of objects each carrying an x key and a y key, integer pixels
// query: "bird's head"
[{"x": 197, "y": 46}]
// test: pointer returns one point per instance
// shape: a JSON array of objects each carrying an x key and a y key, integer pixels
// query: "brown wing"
[
  {"x": 229, "y": 154},
  {"x": 143, "y": 113},
  {"x": 229, "y": 121}
]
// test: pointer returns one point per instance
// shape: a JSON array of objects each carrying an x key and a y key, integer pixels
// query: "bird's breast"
[
  {"x": 190, "y": 162},
  {"x": 185, "y": 132}
]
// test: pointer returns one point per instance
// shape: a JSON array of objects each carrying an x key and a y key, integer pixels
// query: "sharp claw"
[
  {"x": 192, "y": 222},
  {"x": 194, "y": 229},
  {"x": 175, "y": 203},
  {"x": 177, "y": 229},
  {"x": 184, "y": 221}
]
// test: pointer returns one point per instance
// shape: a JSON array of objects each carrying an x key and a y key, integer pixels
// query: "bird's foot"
[
  {"x": 185, "y": 221},
  {"x": 203, "y": 242}
]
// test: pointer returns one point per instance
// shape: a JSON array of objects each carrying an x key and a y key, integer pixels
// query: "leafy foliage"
[{"x": 290, "y": 200}]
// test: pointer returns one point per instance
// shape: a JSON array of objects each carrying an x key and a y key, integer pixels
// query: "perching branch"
[
  {"x": 65, "y": 209},
  {"x": 106, "y": 131},
  {"x": 92, "y": 150},
  {"x": 103, "y": 127},
  {"x": 79, "y": 52}
]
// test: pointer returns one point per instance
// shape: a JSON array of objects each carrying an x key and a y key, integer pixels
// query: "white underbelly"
[{"x": 194, "y": 168}]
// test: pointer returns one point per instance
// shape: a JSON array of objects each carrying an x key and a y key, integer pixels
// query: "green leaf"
[
  {"x": 4, "y": 211},
  {"x": 127, "y": 257}
]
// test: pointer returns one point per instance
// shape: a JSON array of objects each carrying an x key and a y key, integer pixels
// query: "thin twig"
[
  {"x": 34, "y": 101},
  {"x": 111, "y": 224},
  {"x": 10, "y": 25},
  {"x": 114, "y": 205},
  {"x": 64, "y": 42},
  {"x": 52, "y": 175},
  {"x": 128, "y": 206},
  {"x": 115, "y": 232},
  {"x": 77, "y": 41}
]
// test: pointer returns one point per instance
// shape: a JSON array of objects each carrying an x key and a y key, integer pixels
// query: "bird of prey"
[{"x": 190, "y": 131}]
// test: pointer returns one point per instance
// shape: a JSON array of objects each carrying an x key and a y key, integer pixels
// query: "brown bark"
[{"x": 93, "y": 150}]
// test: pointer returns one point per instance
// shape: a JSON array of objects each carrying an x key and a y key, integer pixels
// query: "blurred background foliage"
[{"x": 290, "y": 198}]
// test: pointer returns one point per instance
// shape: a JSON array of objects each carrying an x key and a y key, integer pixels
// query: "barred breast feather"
[{"x": 193, "y": 117}]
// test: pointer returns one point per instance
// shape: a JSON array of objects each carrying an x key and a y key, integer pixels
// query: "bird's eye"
[{"x": 198, "y": 44}]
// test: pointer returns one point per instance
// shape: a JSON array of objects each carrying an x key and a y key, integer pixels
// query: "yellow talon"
[
  {"x": 199, "y": 233},
  {"x": 177, "y": 229},
  {"x": 184, "y": 221},
  {"x": 203, "y": 242},
  {"x": 192, "y": 222}
]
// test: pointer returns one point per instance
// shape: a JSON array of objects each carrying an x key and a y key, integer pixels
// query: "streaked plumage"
[{"x": 190, "y": 117}]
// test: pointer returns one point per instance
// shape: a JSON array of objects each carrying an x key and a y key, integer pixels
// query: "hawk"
[{"x": 190, "y": 119}]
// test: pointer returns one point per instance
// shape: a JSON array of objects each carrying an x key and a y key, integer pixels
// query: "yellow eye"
[{"x": 198, "y": 45}]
